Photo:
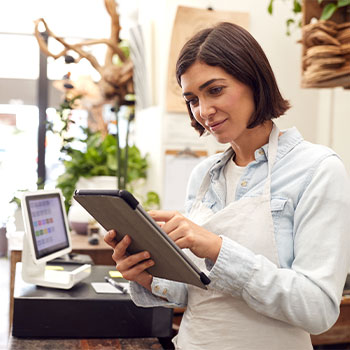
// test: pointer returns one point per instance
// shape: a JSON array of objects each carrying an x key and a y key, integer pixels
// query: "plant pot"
[{"x": 78, "y": 217}]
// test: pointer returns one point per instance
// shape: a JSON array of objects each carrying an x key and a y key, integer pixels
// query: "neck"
[{"x": 252, "y": 140}]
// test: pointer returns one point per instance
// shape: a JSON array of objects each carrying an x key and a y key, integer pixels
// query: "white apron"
[{"x": 214, "y": 320}]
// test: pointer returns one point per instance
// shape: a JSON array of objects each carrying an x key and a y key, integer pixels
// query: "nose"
[{"x": 206, "y": 110}]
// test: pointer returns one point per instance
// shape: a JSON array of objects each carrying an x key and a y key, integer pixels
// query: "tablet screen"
[{"x": 47, "y": 222}]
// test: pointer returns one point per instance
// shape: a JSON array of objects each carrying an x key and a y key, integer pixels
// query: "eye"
[
  {"x": 192, "y": 101},
  {"x": 215, "y": 90}
]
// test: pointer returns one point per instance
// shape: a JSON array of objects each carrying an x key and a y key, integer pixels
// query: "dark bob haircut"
[{"x": 232, "y": 48}]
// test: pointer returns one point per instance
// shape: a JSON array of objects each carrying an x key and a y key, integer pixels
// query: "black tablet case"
[{"x": 120, "y": 211}]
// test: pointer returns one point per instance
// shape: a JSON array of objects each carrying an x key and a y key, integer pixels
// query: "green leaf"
[
  {"x": 112, "y": 162},
  {"x": 152, "y": 201},
  {"x": 289, "y": 21},
  {"x": 270, "y": 7},
  {"x": 94, "y": 140},
  {"x": 296, "y": 6},
  {"x": 99, "y": 170},
  {"x": 342, "y": 3},
  {"x": 328, "y": 11}
]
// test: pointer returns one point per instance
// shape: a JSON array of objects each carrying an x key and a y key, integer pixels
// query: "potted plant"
[{"x": 99, "y": 158}]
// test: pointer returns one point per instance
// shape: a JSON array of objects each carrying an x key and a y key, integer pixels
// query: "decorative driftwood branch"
[{"x": 116, "y": 80}]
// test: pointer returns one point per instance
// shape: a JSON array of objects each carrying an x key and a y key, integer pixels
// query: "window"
[{"x": 18, "y": 152}]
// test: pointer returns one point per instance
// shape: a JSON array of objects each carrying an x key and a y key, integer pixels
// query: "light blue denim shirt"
[{"x": 310, "y": 207}]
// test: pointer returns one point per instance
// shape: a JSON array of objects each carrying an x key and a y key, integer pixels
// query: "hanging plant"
[
  {"x": 294, "y": 20},
  {"x": 329, "y": 9}
]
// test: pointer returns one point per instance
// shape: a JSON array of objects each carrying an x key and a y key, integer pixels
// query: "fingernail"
[{"x": 146, "y": 255}]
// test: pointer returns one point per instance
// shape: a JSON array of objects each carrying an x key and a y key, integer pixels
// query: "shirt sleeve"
[
  {"x": 308, "y": 294},
  {"x": 164, "y": 293}
]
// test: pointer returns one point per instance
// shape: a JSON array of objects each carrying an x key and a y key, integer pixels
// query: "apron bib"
[{"x": 214, "y": 320}]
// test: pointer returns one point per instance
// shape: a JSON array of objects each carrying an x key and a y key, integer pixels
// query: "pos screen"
[{"x": 47, "y": 223}]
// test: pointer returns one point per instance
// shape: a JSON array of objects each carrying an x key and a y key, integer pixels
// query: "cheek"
[
  {"x": 241, "y": 103},
  {"x": 247, "y": 99},
  {"x": 248, "y": 107},
  {"x": 231, "y": 101}
]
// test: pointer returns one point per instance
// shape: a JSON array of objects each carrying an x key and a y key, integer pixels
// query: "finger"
[
  {"x": 162, "y": 215},
  {"x": 171, "y": 219},
  {"x": 135, "y": 272},
  {"x": 144, "y": 278},
  {"x": 111, "y": 238},
  {"x": 181, "y": 243},
  {"x": 184, "y": 231},
  {"x": 127, "y": 262},
  {"x": 177, "y": 223},
  {"x": 176, "y": 234},
  {"x": 120, "y": 248},
  {"x": 184, "y": 241}
]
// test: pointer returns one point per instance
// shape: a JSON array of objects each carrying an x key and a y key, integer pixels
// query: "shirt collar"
[{"x": 286, "y": 142}]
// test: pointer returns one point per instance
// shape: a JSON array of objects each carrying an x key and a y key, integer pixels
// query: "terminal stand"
[{"x": 38, "y": 274}]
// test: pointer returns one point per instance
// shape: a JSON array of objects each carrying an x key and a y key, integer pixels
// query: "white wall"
[
  {"x": 66, "y": 18},
  {"x": 334, "y": 121}
]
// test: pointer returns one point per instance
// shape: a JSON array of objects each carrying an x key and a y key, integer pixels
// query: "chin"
[{"x": 222, "y": 139}]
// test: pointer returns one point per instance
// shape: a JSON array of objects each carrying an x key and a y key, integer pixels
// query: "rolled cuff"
[{"x": 233, "y": 268}]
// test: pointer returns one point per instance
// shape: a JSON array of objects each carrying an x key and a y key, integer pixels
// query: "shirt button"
[
  {"x": 261, "y": 152},
  {"x": 156, "y": 288},
  {"x": 244, "y": 183},
  {"x": 165, "y": 291}
]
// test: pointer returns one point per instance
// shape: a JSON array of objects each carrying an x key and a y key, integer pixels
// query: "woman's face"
[{"x": 219, "y": 102}]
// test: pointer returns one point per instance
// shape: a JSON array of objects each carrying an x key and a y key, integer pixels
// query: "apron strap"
[{"x": 271, "y": 157}]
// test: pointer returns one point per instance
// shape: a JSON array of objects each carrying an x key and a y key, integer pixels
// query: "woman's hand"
[
  {"x": 132, "y": 267},
  {"x": 186, "y": 234}
]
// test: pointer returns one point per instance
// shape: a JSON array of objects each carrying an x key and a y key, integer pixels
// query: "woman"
[{"x": 268, "y": 218}]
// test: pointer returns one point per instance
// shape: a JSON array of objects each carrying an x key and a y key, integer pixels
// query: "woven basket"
[
  {"x": 326, "y": 55},
  {"x": 326, "y": 50}
]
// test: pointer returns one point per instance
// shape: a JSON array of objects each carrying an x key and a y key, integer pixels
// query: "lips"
[{"x": 215, "y": 126}]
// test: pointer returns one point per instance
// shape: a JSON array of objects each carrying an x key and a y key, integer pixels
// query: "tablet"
[{"x": 120, "y": 210}]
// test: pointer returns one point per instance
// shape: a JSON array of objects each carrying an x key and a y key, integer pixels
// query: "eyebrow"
[{"x": 203, "y": 86}]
